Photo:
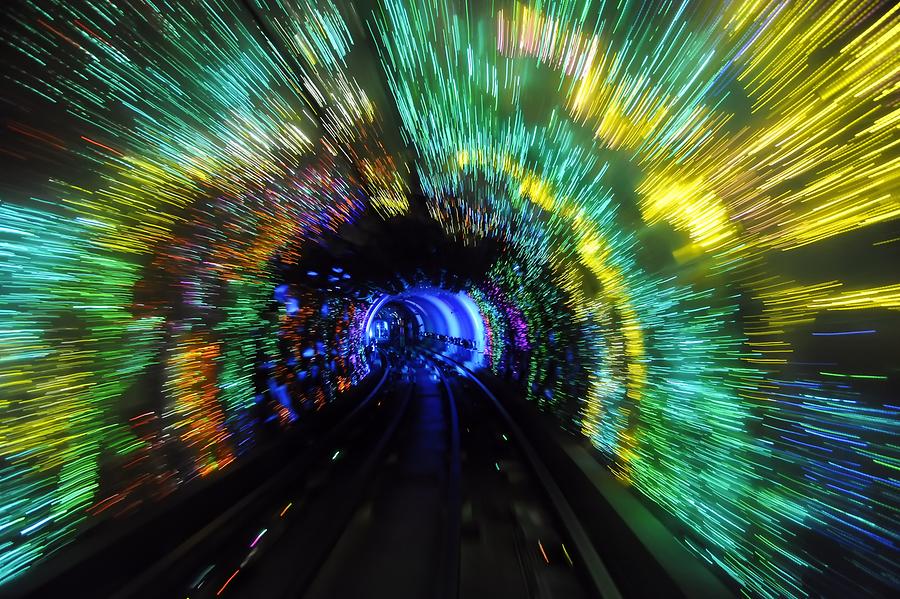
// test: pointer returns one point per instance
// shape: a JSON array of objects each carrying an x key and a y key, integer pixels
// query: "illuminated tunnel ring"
[{"x": 443, "y": 312}]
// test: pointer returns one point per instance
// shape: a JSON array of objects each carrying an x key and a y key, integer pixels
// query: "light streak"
[
  {"x": 543, "y": 553},
  {"x": 227, "y": 582},
  {"x": 258, "y": 537}
]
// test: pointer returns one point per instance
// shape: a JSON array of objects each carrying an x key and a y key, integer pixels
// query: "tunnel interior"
[
  {"x": 427, "y": 312},
  {"x": 671, "y": 227}
]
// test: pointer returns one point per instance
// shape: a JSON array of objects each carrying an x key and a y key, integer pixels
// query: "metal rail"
[
  {"x": 343, "y": 513},
  {"x": 159, "y": 569},
  {"x": 449, "y": 578},
  {"x": 598, "y": 575},
  {"x": 453, "y": 544}
]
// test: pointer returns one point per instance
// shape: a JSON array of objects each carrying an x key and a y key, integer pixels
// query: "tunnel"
[
  {"x": 449, "y": 298},
  {"x": 435, "y": 313}
]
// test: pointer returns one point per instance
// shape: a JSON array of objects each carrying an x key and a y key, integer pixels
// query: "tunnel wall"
[{"x": 160, "y": 171}]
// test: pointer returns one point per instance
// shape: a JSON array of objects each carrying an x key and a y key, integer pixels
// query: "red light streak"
[{"x": 230, "y": 578}]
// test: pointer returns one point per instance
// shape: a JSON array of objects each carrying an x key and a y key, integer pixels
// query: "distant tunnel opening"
[{"x": 423, "y": 313}]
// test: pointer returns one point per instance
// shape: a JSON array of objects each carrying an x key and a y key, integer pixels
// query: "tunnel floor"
[
  {"x": 392, "y": 545},
  {"x": 419, "y": 491},
  {"x": 419, "y": 485},
  {"x": 379, "y": 520}
]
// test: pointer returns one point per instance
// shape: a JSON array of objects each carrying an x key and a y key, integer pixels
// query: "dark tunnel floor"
[
  {"x": 393, "y": 543},
  {"x": 375, "y": 518},
  {"x": 511, "y": 545},
  {"x": 418, "y": 486}
]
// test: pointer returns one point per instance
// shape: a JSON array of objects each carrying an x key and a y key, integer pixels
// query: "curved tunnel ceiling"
[{"x": 678, "y": 222}]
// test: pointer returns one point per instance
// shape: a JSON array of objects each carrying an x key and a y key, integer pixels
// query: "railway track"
[{"x": 426, "y": 489}]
